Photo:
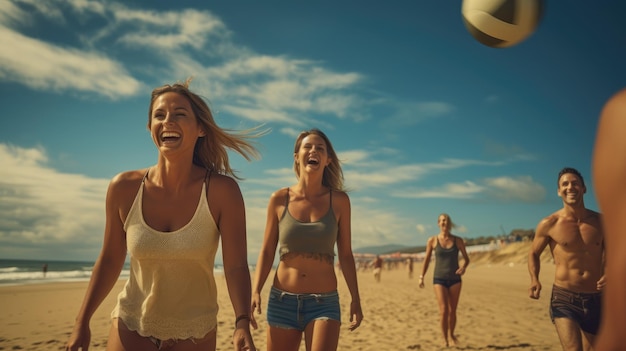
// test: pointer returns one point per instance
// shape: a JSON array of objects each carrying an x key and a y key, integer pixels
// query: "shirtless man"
[{"x": 576, "y": 239}]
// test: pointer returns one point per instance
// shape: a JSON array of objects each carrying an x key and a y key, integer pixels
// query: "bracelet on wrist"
[{"x": 241, "y": 317}]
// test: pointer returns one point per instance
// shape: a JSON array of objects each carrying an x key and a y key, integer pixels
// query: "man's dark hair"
[{"x": 573, "y": 171}]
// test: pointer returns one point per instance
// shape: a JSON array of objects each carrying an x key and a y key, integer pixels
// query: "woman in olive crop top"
[
  {"x": 170, "y": 218},
  {"x": 305, "y": 221},
  {"x": 447, "y": 276}
]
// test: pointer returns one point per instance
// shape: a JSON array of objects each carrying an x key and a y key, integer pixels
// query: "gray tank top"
[
  {"x": 446, "y": 261},
  {"x": 307, "y": 237}
]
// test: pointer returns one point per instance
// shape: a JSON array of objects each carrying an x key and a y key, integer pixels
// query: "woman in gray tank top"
[
  {"x": 305, "y": 221},
  {"x": 447, "y": 276}
]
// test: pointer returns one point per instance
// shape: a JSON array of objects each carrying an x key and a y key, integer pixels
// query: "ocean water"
[{"x": 18, "y": 272}]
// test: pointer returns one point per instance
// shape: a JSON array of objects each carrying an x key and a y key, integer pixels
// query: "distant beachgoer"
[
  {"x": 609, "y": 172},
  {"x": 44, "y": 269},
  {"x": 409, "y": 265},
  {"x": 575, "y": 236},
  {"x": 171, "y": 218},
  {"x": 378, "y": 267},
  {"x": 447, "y": 276},
  {"x": 306, "y": 221}
]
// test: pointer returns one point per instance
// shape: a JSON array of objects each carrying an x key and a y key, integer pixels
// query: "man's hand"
[{"x": 535, "y": 290}]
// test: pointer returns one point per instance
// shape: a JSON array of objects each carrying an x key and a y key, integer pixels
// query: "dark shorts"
[
  {"x": 447, "y": 282},
  {"x": 295, "y": 311},
  {"x": 583, "y": 308}
]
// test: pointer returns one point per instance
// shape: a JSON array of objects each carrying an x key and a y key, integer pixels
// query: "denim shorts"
[{"x": 296, "y": 311}]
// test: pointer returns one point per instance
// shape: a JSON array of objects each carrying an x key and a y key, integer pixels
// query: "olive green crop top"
[{"x": 307, "y": 237}]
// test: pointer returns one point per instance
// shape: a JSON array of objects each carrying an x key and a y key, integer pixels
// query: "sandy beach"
[{"x": 494, "y": 313}]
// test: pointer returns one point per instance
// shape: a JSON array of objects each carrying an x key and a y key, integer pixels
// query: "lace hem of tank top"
[
  {"x": 170, "y": 329},
  {"x": 328, "y": 258}
]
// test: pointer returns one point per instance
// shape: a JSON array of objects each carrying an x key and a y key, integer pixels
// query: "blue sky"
[{"x": 425, "y": 119}]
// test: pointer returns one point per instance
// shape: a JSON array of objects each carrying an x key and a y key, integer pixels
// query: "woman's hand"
[
  {"x": 255, "y": 306},
  {"x": 242, "y": 340},
  {"x": 356, "y": 315},
  {"x": 80, "y": 338}
]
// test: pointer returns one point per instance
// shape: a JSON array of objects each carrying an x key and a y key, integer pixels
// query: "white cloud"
[
  {"x": 371, "y": 226},
  {"x": 169, "y": 30},
  {"x": 44, "y": 208},
  {"x": 522, "y": 188},
  {"x": 503, "y": 189},
  {"x": 420, "y": 228},
  {"x": 178, "y": 44},
  {"x": 353, "y": 157},
  {"x": 289, "y": 131},
  {"x": 84, "y": 6},
  {"x": 10, "y": 14},
  {"x": 384, "y": 174},
  {"x": 463, "y": 190},
  {"x": 53, "y": 9},
  {"x": 43, "y": 66},
  {"x": 277, "y": 178},
  {"x": 278, "y": 89},
  {"x": 261, "y": 115},
  {"x": 461, "y": 229}
]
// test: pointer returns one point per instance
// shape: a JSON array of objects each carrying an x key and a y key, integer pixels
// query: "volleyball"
[{"x": 501, "y": 23}]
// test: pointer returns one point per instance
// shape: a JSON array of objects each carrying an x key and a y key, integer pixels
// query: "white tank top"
[{"x": 171, "y": 292}]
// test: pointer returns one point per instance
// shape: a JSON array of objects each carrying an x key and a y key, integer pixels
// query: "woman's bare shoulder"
[
  {"x": 341, "y": 198},
  {"x": 280, "y": 194},
  {"x": 340, "y": 194},
  {"x": 279, "y": 197},
  {"x": 126, "y": 179}
]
